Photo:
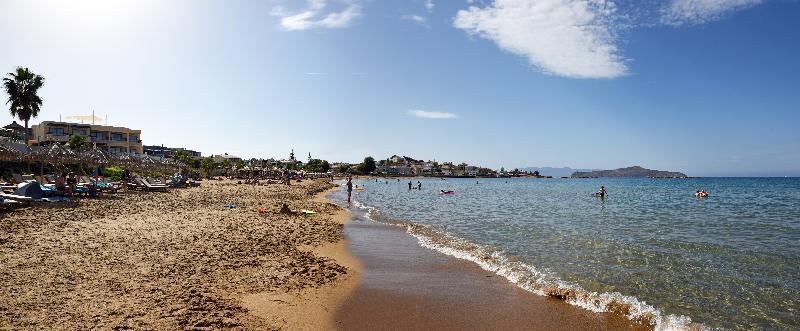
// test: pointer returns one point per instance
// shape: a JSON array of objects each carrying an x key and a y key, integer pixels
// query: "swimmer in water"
[{"x": 602, "y": 192}]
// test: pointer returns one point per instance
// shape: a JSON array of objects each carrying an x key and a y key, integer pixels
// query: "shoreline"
[
  {"x": 184, "y": 260},
  {"x": 314, "y": 308},
  {"x": 404, "y": 283}
]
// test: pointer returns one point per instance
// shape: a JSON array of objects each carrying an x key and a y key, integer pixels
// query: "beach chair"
[
  {"x": 154, "y": 181},
  {"x": 8, "y": 188},
  {"x": 85, "y": 180},
  {"x": 102, "y": 186},
  {"x": 176, "y": 182},
  {"x": 18, "y": 198},
  {"x": 150, "y": 187},
  {"x": 28, "y": 178},
  {"x": 131, "y": 184}
]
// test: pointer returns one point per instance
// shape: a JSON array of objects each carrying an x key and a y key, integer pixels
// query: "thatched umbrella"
[
  {"x": 96, "y": 157},
  {"x": 147, "y": 162},
  {"x": 55, "y": 154},
  {"x": 170, "y": 166},
  {"x": 8, "y": 153},
  {"x": 125, "y": 160}
]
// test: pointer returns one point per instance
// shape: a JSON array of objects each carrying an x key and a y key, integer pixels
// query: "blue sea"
[{"x": 649, "y": 250}]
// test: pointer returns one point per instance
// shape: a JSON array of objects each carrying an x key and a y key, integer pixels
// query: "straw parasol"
[
  {"x": 125, "y": 160},
  {"x": 7, "y": 153},
  {"x": 55, "y": 153},
  {"x": 96, "y": 157}
]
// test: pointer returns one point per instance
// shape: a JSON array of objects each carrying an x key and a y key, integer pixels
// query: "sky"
[{"x": 705, "y": 87}]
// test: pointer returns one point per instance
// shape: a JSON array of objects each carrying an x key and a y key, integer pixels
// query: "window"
[
  {"x": 96, "y": 136},
  {"x": 133, "y": 138},
  {"x": 57, "y": 132},
  {"x": 117, "y": 137},
  {"x": 116, "y": 150}
]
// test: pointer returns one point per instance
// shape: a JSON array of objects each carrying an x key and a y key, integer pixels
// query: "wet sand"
[{"x": 406, "y": 286}]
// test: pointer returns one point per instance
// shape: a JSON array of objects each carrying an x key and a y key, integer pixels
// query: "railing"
[{"x": 60, "y": 138}]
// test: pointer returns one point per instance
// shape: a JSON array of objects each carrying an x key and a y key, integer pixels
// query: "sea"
[{"x": 650, "y": 250}]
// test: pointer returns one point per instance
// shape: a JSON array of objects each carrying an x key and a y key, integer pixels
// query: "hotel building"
[{"x": 112, "y": 139}]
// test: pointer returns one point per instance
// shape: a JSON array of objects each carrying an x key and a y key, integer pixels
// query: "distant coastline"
[{"x": 634, "y": 171}]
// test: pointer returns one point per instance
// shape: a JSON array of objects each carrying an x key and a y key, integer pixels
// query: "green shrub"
[{"x": 113, "y": 174}]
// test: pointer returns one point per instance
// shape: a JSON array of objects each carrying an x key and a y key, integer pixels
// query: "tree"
[
  {"x": 368, "y": 166},
  {"x": 343, "y": 168},
  {"x": 77, "y": 142},
  {"x": 317, "y": 165},
  {"x": 208, "y": 165},
  {"x": 22, "y": 87},
  {"x": 185, "y": 158}
]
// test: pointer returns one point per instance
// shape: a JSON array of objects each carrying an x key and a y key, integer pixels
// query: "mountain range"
[{"x": 635, "y": 171}]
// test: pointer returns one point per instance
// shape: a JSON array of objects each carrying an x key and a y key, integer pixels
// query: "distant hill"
[
  {"x": 635, "y": 171},
  {"x": 555, "y": 172}
]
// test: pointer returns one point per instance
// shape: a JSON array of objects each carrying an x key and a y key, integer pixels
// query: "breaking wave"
[{"x": 534, "y": 280}]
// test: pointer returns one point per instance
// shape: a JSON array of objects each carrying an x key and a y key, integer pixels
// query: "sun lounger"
[
  {"x": 105, "y": 187},
  {"x": 133, "y": 185},
  {"x": 18, "y": 198},
  {"x": 28, "y": 178},
  {"x": 85, "y": 180},
  {"x": 150, "y": 187},
  {"x": 154, "y": 181}
]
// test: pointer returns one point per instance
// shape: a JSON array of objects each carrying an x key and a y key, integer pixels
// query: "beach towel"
[{"x": 30, "y": 190}]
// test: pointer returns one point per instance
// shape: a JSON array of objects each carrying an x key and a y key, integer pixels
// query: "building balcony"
[{"x": 58, "y": 138}]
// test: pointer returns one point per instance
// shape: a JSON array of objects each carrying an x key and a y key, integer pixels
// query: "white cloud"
[
  {"x": 415, "y": 18},
  {"x": 429, "y": 5},
  {"x": 432, "y": 114},
  {"x": 570, "y": 38},
  {"x": 680, "y": 12},
  {"x": 312, "y": 17}
]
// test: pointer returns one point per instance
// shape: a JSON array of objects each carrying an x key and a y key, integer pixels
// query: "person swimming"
[
  {"x": 701, "y": 194},
  {"x": 446, "y": 192},
  {"x": 601, "y": 193}
]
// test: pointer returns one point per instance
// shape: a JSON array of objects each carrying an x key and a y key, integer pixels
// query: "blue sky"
[{"x": 707, "y": 87}]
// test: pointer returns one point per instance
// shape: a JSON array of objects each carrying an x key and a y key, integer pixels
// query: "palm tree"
[{"x": 22, "y": 87}]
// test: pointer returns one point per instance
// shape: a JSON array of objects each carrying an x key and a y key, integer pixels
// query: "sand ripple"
[{"x": 176, "y": 260}]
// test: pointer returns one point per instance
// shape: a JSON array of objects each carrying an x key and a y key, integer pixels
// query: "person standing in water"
[
  {"x": 419, "y": 185},
  {"x": 409, "y": 185},
  {"x": 349, "y": 188},
  {"x": 602, "y": 192}
]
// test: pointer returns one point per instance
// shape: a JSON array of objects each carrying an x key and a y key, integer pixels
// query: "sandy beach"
[
  {"x": 185, "y": 260},
  {"x": 176, "y": 260}
]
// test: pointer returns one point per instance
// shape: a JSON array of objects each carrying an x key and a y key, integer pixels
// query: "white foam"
[{"x": 538, "y": 281}]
